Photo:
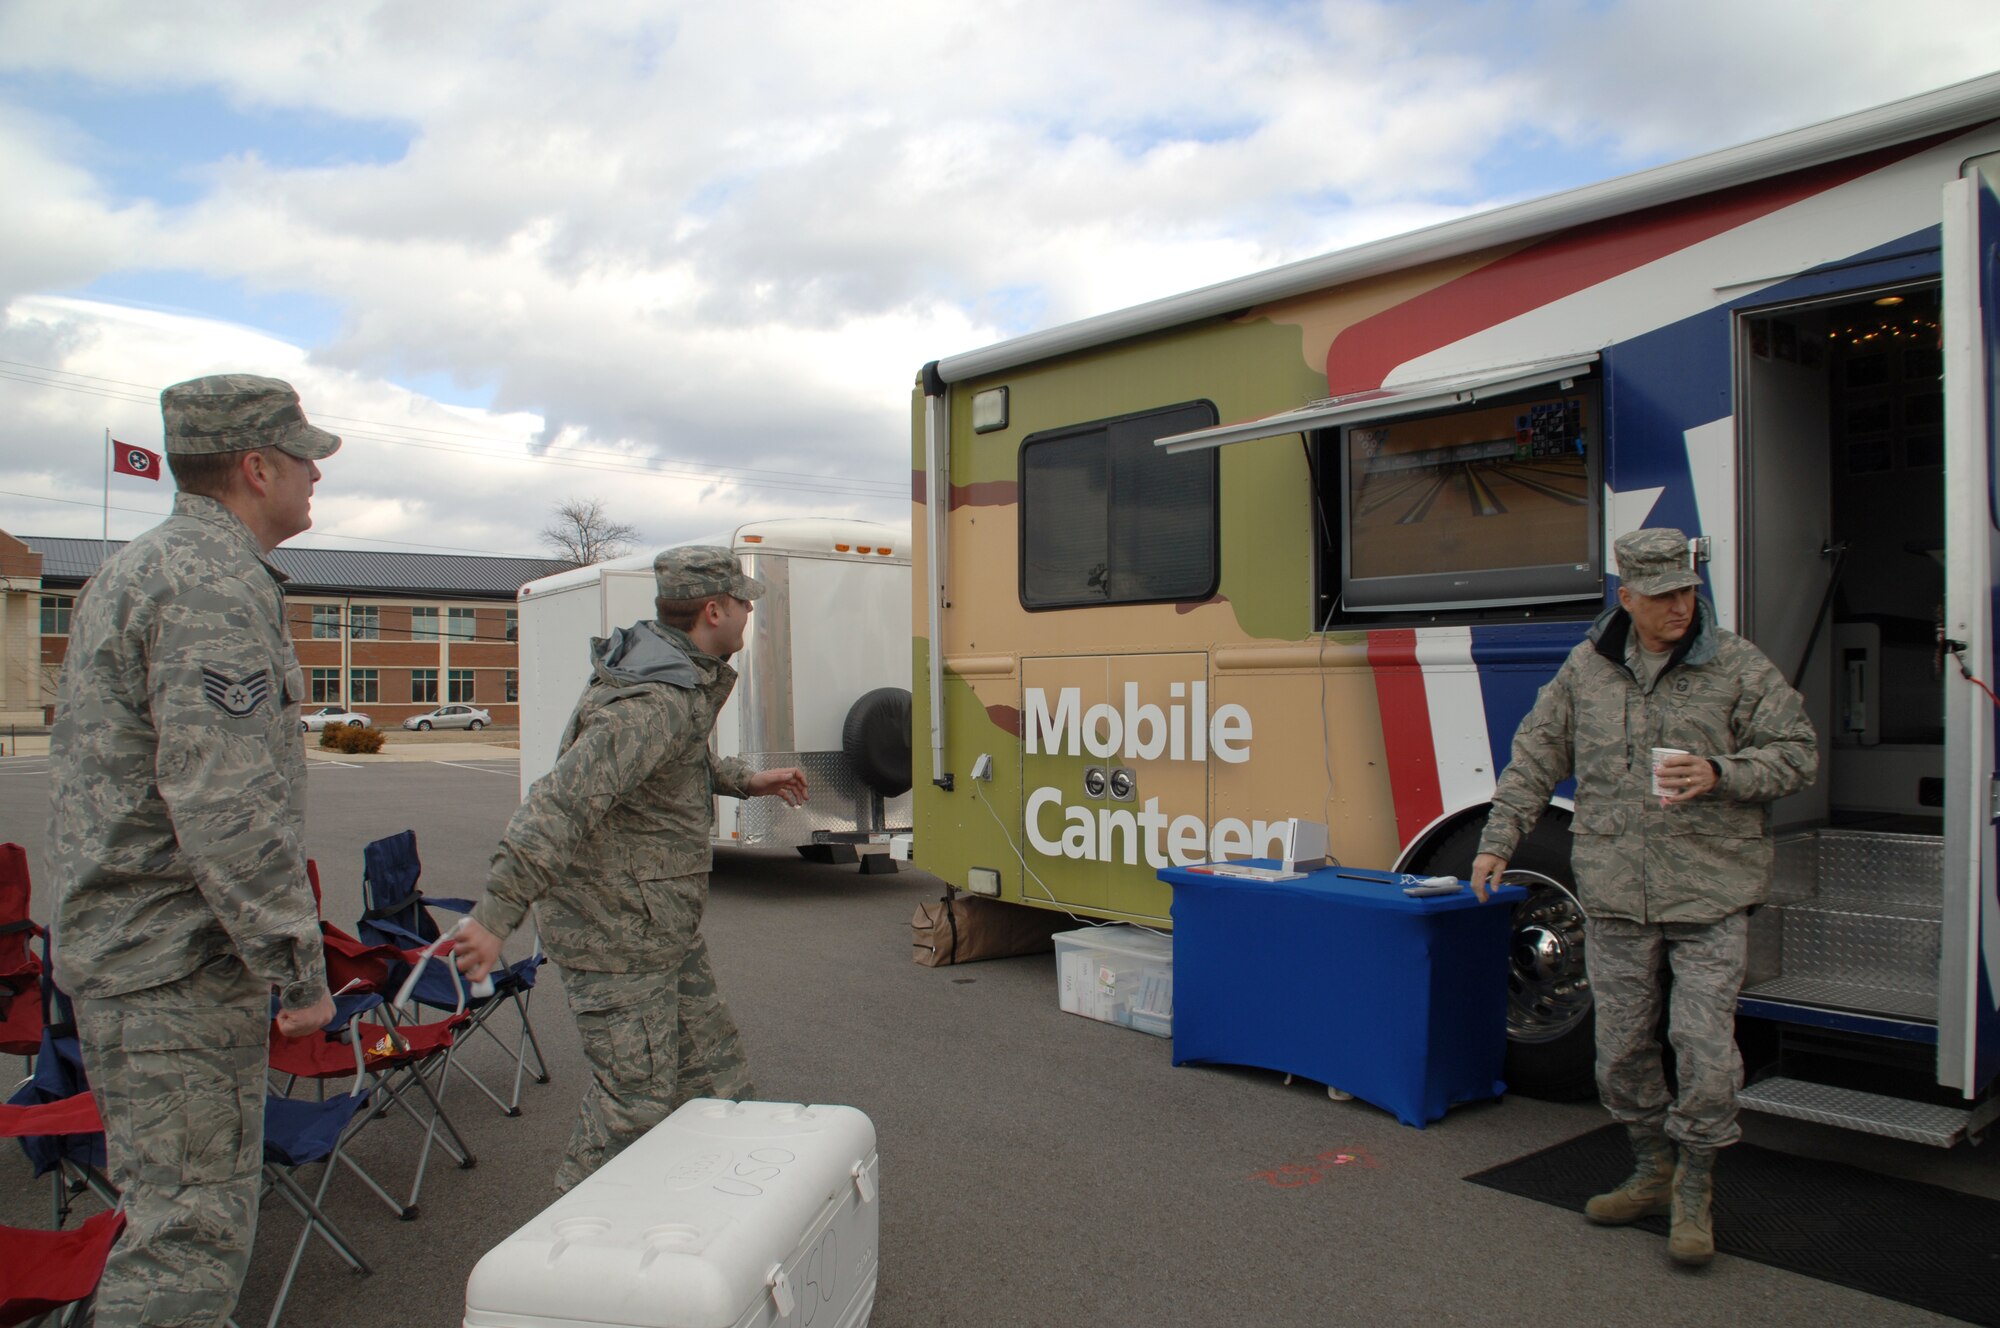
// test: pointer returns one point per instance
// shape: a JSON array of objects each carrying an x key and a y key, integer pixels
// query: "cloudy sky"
[{"x": 687, "y": 258}]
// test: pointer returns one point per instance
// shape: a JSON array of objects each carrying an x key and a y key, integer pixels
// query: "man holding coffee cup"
[{"x": 1680, "y": 735}]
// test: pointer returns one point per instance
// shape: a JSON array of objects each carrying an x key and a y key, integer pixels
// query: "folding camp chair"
[
  {"x": 20, "y": 971},
  {"x": 42, "y": 1272},
  {"x": 299, "y": 1133},
  {"x": 395, "y": 1060},
  {"x": 76, "y": 1157},
  {"x": 398, "y": 914},
  {"x": 48, "y": 1131}
]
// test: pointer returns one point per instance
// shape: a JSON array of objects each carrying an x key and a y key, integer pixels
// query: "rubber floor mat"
[{"x": 1903, "y": 1240}]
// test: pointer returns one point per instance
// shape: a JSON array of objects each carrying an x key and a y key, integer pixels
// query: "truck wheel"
[
  {"x": 876, "y": 738},
  {"x": 1551, "y": 1023}
]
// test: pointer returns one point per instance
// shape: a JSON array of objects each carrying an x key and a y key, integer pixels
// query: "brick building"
[
  {"x": 391, "y": 634},
  {"x": 20, "y": 649}
]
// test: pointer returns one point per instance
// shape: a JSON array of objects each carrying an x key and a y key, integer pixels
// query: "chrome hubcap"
[{"x": 1548, "y": 991}]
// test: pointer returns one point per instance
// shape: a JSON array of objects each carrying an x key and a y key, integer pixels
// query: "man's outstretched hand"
[{"x": 789, "y": 784}]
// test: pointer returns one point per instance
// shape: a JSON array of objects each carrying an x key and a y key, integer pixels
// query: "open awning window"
[{"x": 1382, "y": 403}]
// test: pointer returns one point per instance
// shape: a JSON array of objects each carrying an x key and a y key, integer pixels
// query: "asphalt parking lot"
[{"x": 1037, "y": 1168}]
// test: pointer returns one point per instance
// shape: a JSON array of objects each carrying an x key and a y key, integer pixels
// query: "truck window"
[{"x": 1107, "y": 518}]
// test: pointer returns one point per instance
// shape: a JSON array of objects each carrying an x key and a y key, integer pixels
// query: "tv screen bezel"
[{"x": 1490, "y": 588}]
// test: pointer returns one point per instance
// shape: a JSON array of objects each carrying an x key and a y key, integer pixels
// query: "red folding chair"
[
  {"x": 395, "y": 1062},
  {"x": 20, "y": 970},
  {"x": 54, "y": 1122},
  {"x": 42, "y": 1272}
]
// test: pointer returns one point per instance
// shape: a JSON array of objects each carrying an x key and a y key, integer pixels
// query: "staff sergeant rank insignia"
[{"x": 235, "y": 697}]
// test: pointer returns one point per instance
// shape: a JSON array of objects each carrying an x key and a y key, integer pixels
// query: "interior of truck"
[{"x": 1843, "y": 480}]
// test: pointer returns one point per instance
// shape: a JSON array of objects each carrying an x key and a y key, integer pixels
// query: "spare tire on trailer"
[
  {"x": 1551, "y": 1020},
  {"x": 876, "y": 738}
]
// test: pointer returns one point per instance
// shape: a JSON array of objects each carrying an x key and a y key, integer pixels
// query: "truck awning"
[{"x": 1383, "y": 403}]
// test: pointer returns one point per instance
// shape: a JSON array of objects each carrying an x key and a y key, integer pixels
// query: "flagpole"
[{"x": 104, "y": 542}]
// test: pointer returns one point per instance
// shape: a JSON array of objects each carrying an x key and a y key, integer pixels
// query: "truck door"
[
  {"x": 1107, "y": 765},
  {"x": 1969, "y": 968}
]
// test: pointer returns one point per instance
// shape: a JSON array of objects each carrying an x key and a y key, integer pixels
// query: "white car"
[
  {"x": 450, "y": 717},
  {"x": 332, "y": 716}
]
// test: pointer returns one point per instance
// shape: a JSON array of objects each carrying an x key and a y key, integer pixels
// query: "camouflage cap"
[
  {"x": 236, "y": 412},
  {"x": 696, "y": 571},
  {"x": 1655, "y": 561}
]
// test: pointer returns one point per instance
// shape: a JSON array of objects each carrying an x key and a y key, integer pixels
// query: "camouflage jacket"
[
  {"x": 628, "y": 807},
  {"x": 177, "y": 774},
  {"x": 1718, "y": 697}
]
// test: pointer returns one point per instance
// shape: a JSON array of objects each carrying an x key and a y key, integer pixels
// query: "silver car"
[
  {"x": 332, "y": 716},
  {"x": 450, "y": 717}
]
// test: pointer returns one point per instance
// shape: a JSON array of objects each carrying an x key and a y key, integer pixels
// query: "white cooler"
[{"x": 725, "y": 1215}]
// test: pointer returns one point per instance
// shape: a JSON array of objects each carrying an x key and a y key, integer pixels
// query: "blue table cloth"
[{"x": 1342, "y": 978}]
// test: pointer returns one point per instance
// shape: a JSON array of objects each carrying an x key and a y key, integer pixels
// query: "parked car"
[
  {"x": 333, "y": 716},
  {"x": 450, "y": 717}
]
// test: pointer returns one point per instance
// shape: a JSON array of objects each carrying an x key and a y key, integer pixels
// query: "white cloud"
[{"x": 728, "y": 235}]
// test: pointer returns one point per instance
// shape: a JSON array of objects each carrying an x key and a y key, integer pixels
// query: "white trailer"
[{"x": 824, "y": 674}]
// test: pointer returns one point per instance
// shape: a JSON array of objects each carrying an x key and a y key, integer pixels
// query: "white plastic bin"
[
  {"x": 1119, "y": 974},
  {"x": 725, "y": 1215}
]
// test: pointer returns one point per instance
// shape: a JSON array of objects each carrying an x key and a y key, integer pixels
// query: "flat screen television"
[{"x": 1490, "y": 505}]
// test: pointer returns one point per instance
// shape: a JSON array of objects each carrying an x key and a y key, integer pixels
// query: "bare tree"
[{"x": 584, "y": 532}]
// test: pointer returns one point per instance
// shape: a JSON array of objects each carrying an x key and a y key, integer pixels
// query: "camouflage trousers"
[
  {"x": 654, "y": 1041},
  {"x": 1626, "y": 960},
  {"x": 178, "y": 1074}
]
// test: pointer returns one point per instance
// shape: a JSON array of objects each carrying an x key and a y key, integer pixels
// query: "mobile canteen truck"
[
  {"x": 823, "y": 674},
  {"x": 1306, "y": 544}
]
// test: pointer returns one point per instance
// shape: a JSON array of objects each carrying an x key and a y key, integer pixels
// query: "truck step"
[
  {"x": 1893, "y": 950},
  {"x": 1858, "y": 997},
  {"x": 1851, "y": 1109}
]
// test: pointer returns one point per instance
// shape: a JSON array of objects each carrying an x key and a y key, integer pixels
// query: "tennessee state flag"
[{"x": 129, "y": 460}]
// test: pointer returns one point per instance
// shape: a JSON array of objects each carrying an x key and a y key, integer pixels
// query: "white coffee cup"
[{"x": 1660, "y": 754}]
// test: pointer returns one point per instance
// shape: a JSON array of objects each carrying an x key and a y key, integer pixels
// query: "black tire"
[
  {"x": 354, "y": 724},
  {"x": 474, "y": 726},
  {"x": 1552, "y": 1056},
  {"x": 876, "y": 738},
  {"x": 423, "y": 726},
  {"x": 304, "y": 727}
]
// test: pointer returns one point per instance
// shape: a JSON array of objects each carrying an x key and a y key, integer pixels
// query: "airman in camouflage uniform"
[
  {"x": 178, "y": 802},
  {"x": 611, "y": 848},
  {"x": 1662, "y": 879}
]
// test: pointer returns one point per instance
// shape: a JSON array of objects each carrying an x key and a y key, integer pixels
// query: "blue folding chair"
[
  {"x": 398, "y": 914},
  {"x": 77, "y": 1161},
  {"x": 299, "y": 1132}
]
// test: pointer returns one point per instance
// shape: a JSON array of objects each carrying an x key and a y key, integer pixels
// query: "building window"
[
  {"x": 459, "y": 624},
  {"x": 55, "y": 615},
  {"x": 326, "y": 622},
  {"x": 513, "y": 624},
  {"x": 1108, "y": 518},
  {"x": 365, "y": 622},
  {"x": 513, "y": 685},
  {"x": 424, "y": 623},
  {"x": 326, "y": 685},
  {"x": 362, "y": 687},
  {"x": 458, "y": 685},
  {"x": 424, "y": 685}
]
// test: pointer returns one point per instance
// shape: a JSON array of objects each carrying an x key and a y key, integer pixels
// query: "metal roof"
[
  {"x": 1960, "y": 106},
  {"x": 320, "y": 571}
]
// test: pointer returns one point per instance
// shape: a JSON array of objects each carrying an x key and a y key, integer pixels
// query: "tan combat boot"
[
  {"x": 1646, "y": 1191},
  {"x": 1692, "y": 1241}
]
